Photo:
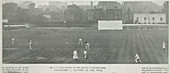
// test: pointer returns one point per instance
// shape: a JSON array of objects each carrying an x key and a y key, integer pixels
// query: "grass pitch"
[{"x": 107, "y": 47}]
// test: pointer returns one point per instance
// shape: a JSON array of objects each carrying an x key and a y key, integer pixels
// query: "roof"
[
  {"x": 109, "y": 5},
  {"x": 151, "y": 13},
  {"x": 142, "y": 6},
  {"x": 25, "y": 4},
  {"x": 86, "y": 7}
]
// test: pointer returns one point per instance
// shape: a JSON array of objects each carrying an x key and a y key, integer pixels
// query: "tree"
[
  {"x": 38, "y": 19},
  {"x": 31, "y": 8},
  {"x": 22, "y": 15},
  {"x": 9, "y": 9},
  {"x": 17, "y": 14}
]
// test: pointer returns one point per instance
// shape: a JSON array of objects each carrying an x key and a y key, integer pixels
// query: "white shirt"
[
  {"x": 163, "y": 45},
  {"x": 80, "y": 39},
  {"x": 137, "y": 56},
  {"x": 88, "y": 44},
  {"x": 75, "y": 52},
  {"x": 30, "y": 42},
  {"x": 13, "y": 39},
  {"x": 85, "y": 52}
]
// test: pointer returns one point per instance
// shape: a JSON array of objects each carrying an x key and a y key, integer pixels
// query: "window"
[
  {"x": 148, "y": 22},
  {"x": 115, "y": 13},
  {"x": 153, "y": 18},
  {"x": 137, "y": 18},
  {"x": 161, "y": 18},
  {"x": 116, "y": 17},
  {"x": 144, "y": 18},
  {"x": 63, "y": 7},
  {"x": 119, "y": 12},
  {"x": 144, "y": 22},
  {"x": 148, "y": 18}
]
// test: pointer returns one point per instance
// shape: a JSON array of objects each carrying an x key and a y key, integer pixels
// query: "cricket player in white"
[
  {"x": 87, "y": 45},
  {"x": 66, "y": 42},
  {"x": 75, "y": 55},
  {"x": 30, "y": 44},
  {"x": 85, "y": 54},
  {"x": 137, "y": 58},
  {"x": 163, "y": 45},
  {"x": 13, "y": 41},
  {"x": 80, "y": 41},
  {"x": 64, "y": 22}
]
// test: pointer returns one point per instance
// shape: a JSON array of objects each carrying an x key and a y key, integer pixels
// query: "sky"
[{"x": 78, "y": 2}]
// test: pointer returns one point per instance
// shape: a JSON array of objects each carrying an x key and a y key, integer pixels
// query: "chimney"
[
  {"x": 91, "y": 3},
  {"x": 72, "y": 2}
]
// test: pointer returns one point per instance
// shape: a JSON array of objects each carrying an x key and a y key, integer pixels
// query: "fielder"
[
  {"x": 13, "y": 41},
  {"x": 66, "y": 42},
  {"x": 75, "y": 55},
  {"x": 64, "y": 22},
  {"x": 30, "y": 44},
  {"x": 85, "y": 54},
  {"x": 137, "y": 59},
  {"x": 163, "y": 45},
  {"x": 80, "y": 42},
  {"x": 87, "y": 45}
]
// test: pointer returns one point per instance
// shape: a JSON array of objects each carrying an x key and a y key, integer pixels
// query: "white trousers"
[
  {"x": 30, "y": 46},
  {"x": 75, "y": 57},
  {"x": 85, "y": 55},
  {"x": 80, "y": 43},
  {"x": 137, "y": 60}
]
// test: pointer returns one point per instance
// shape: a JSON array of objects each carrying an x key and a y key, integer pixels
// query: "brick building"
[{"x": 105, "y": 10}]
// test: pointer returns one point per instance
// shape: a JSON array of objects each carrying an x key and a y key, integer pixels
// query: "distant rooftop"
[
  {"x": 86, "y": 7},
  {"x": 25, "y": 4},
  {"x": 150, "y": 13},
  {"x": 142, "y": 6},
  {"x": 109, "y": 5}
]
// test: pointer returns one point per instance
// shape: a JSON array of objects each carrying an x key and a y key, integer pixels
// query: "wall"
[{"x": 110, "y": 25}]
